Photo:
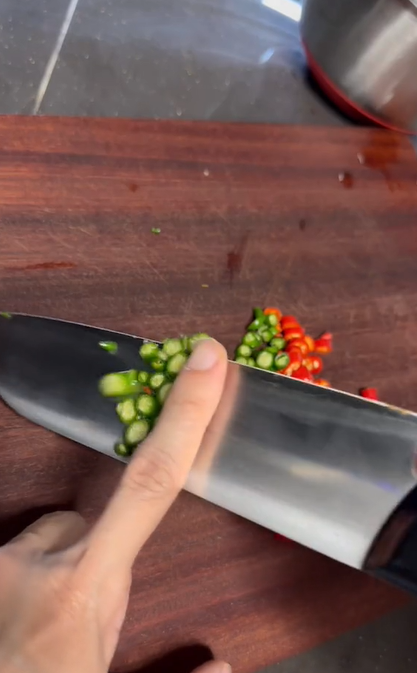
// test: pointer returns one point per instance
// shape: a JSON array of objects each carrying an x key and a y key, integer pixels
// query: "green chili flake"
[
  {"x": 5, "y": 314},
  {"x": 156, "y": 230},
  {"x": 109, "y": 346},
  {"x": 122, "y": 450}
]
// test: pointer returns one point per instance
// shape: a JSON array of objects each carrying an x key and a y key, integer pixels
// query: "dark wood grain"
[{"x": 262, "y": 215}]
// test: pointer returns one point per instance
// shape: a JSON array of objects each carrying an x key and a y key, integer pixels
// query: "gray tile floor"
[
  {"x": 388, "y": 645},
  {"x": 192, "y": 59},
  {"x": 28, "y": 33},
  {"x": 227, "y": 60},
  {"x": 213, "y": 59}
]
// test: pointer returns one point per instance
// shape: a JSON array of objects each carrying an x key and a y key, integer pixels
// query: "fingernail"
[
  {"x": 214, "y": 667},
  {"x": 225, "y": 668},
  {"x": 204, "y": 356}
]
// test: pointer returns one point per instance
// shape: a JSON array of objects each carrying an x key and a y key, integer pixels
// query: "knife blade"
[{"x": 319, "y": 466}]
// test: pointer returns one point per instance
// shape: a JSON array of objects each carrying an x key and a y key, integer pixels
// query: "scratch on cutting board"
[
  {"x": 19, "y": 243},
  {"x": 60, "y": 241},
  {"x": 84, "y": 231},
  {"x": 154, "y": 269},
  {"x": 186, "y": 306}
]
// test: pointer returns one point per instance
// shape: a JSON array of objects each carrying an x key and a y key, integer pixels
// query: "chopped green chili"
[
  {"x": 159, "y": 361},
  {"x": 172, "y": 346},
  {"x": 157, "y": 380},
  {"x": 244, "y": 351},
  {"x": 278, "y": 342},
  {"x": 148, "y": 350},
  {"x": 109, "y": 346},
  {"x": 143, "y": 378},
  {"x": 136, "y": 432},
  {"x": 147, "y": 405},
  {"x": 266, "y": 334},
  {"x": 252, "y": 340},
  {"x": 119, "y": 384},
  {"x": 201, "y": 336},
  {"x": 176, "y": 363},
  {"x": 255, "y": 325},
  {"x": 264, "y": 360},
  {"x": 144, "y": 393},
  {"x": 282, "y": 360},
  {"x": 259, "y": 314},
  {"x": 164, "y": 392},
  {"x": 126, "y": 411}
]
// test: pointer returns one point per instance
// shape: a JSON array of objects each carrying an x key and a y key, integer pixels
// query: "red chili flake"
[
  {"x": 322, "y": 382},
  {"x": 369, "y": 393},
  {"x": 324, "y": 344},
  {"x": 282, "y": 538}
]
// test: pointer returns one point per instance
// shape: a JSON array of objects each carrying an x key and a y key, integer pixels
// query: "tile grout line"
[{"x": 50, "y": 66}]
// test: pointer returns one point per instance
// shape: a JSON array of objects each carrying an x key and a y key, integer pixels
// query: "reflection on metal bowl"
[{"x": 363, "y": 54}]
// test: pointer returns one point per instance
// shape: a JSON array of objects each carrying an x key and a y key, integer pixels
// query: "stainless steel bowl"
[{"x": 363, "y": 53}]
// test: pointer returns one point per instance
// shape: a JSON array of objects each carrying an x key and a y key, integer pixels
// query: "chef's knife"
[{"x": 330, "y": 470}]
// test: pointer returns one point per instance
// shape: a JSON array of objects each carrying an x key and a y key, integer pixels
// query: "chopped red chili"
[
  {"x": 293, "y": 333},
  {"x": 302, "y": 374},
  {"x": 288, "y": 321}
]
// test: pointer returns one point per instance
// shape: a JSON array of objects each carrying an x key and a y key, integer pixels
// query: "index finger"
[{"x": 159, "y": 469}]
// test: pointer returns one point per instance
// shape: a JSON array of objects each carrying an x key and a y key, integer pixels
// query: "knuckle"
[
  {"x": 8, "y": 560},
  {"x": 153, "y": 477},
  {"x": 189, "y": 408},
  {"x": 63, "y": 587}
]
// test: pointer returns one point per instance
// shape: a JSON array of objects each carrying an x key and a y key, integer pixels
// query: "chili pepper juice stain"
[
  {"x": 346, "y": 179},
  {"x": 235, "y": 259},
  {"x": 302, "y": 224},
  {"x": 383, "y": 157},
  {"x": 132, "y": 187},
  {"x": 44, "y": 266}
]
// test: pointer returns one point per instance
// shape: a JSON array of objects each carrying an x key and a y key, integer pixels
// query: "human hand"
[{"x": 64, "y": 589}]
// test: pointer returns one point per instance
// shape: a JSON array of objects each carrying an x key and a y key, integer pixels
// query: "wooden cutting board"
[{"x": 321, "y": 222}]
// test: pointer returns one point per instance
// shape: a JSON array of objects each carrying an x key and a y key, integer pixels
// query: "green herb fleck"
[
  {"x": 5, "y": 314},
  {"x": 109, "y": 346},
  {"x": 156, "y": 230}
]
